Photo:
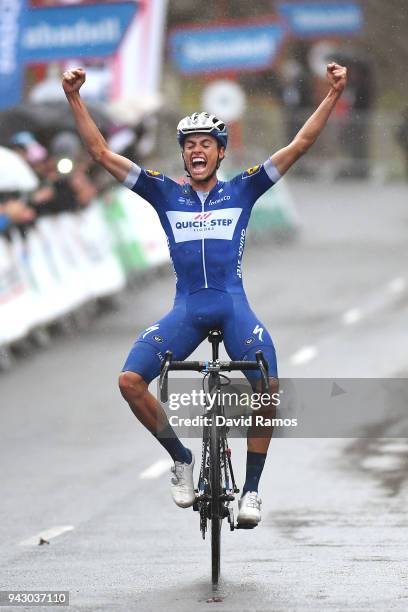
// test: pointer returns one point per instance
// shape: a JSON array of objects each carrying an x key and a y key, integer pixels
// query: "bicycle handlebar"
[{"x": 207, "y": 366}]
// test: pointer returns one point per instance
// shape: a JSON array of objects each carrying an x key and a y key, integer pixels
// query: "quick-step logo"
[
  {"x": 214, "y": 224},
  {"x": 240, "y": 252}
]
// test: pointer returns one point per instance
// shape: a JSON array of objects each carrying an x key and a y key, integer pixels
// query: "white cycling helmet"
[{"x": 202, "y": 123}]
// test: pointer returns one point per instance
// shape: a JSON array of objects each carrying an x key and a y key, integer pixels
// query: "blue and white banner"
[
  {"x": 322, "y": 18},
  {"x": 75, "y": 31},
  {"x": 226, "y": 48},
  {"x": 12, "y": 16}
]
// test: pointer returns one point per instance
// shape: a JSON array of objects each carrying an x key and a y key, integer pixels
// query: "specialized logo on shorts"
[
  {"x": 249, "y": 341},
  {"x": 251, "y": 171},
  {"x": 150, "y": 329},
  {"x": 214, "y": 224},
  {"x": 158, "y": 338},
  {"x": 155, "y": 174},
  {"x": 258, "y": 332}
]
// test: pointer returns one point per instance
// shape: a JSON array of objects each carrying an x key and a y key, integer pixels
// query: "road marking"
[
  {"x": 384, "y": 298},
  {"x": 47, "y": 535},
  {"x": 157, "y": 469},
  {"x": 395, "y": 447},
  {"x": 303, "y": 355},
  {"x": 397, "y": 285},
  {"x": 381, "y": 463},
  {"x": 351, "y": 316},
  {"x": 354, "y": 315}
]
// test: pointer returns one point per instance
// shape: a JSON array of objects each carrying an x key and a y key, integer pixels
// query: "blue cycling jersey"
[{"x": 206, "y": 238}]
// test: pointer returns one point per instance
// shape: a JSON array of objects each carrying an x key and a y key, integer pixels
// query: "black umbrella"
[{"x": 46, "y": 119}]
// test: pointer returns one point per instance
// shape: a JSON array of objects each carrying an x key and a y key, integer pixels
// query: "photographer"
[{"x": 14, "y": 212}]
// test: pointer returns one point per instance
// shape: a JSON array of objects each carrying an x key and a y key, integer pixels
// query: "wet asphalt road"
[{"x": 334, "y": 528}]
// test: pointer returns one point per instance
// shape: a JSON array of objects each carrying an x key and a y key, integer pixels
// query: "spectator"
[
  {"x": 297, "y": 95},
  {"x": 56, "y": 193},
  {"x": 402, "y": 137},
  {"x": 25, "y": 144},
  {"x": 66, "y": 146},
  {"x": 14, "y": 212},
  {"x": 355, "y": 132}
]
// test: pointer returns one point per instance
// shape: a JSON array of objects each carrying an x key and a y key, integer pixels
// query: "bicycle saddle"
[{"x": 215, "y": 336}]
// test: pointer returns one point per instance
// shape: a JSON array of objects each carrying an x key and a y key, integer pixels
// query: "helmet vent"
[{"x": 203, "y": 123}]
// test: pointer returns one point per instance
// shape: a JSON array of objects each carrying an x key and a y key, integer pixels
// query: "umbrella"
[
  {"x": 15, "y": 174},
  {"x": 132, "y": 111},
  {"x": 45, "y": 120}
]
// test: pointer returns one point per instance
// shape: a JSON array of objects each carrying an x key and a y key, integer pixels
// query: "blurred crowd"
[
  {"x": 402, "y": 137},
  {"x": 63, "y": 175},
  {"x": 302, "y": 87}
]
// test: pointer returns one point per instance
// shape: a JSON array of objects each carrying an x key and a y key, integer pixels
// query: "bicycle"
[{"x": 216, "y": 487}]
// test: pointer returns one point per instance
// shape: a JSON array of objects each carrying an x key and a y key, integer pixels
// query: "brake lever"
[
  {"x": 264, "y": 368},
  {"x": 164, "y": 378}
]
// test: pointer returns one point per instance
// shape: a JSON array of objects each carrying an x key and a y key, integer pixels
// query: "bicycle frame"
[{"x": 216, "y": 483}]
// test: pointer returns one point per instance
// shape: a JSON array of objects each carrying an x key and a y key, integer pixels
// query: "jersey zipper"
[{"x": 203, "y": 246}]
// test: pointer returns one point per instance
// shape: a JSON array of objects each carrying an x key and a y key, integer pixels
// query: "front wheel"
[{"x": 216, "y": 520}]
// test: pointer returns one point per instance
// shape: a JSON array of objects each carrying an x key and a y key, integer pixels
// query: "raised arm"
[
  {"x": 284, "y": 158},
  {"x": 117, "y": 165}
]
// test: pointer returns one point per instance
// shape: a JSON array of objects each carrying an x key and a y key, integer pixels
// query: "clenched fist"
[
  {"x": 72, "y": 80},
  {"x": 337, "y": 76}
]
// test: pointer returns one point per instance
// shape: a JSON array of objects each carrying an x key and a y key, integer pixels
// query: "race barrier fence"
[{"x": 68, "y": 260}]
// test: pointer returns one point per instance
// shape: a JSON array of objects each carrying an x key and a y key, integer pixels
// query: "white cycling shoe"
[
  {"x": 249, "y": 509},
  {"x": 182, "y": 483}
]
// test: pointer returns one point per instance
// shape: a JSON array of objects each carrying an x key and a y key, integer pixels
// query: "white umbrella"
[
  {"x": 15, "y": 173},
  {"x": 131, "y": 111}
]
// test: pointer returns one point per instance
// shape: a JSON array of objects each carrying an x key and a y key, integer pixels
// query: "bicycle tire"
[{"x": 216, "y": 520}]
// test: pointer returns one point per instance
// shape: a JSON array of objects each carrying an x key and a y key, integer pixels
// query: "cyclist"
[{"x": 205, "y": 222}]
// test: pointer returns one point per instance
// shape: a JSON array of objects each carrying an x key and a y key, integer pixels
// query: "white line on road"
[
  {"x": 376, "y": 303},
  {"x": 397, "y": 285},
  {"x": 303, "y": 355},
  {"x": 351, "y": 316},
  {"x": 157, "y": 469},
  {"x": 388, "y": 463},
  {"x": 395, "y": 447},
  {"x": 47, "y": 535}
]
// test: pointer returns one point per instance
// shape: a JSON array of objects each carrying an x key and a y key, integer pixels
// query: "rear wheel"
[{"x": 216, "y": 520}]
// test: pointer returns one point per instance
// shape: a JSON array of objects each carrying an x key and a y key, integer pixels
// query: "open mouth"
[{"x": 199, "y": 163}]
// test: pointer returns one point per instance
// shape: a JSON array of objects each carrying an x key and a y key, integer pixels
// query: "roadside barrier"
[{"x": 67, "y": 261}]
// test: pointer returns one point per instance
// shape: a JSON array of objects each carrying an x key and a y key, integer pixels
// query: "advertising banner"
[
  {"x": 57, "y": 33},
  {"x": 226, "y": 48},
  {"x": 322, "y": 18},
  {"x": 12, "y": 16}
]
